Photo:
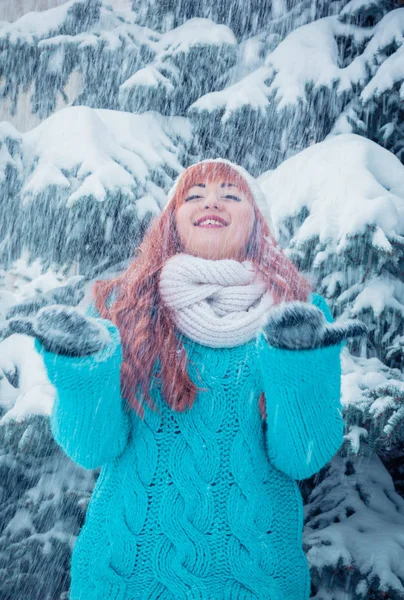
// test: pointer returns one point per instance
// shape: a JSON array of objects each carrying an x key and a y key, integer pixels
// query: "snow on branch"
[{"x": 89, "y": 179}]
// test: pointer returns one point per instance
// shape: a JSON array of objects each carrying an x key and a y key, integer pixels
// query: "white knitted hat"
[{"x": 252, "y": 183}]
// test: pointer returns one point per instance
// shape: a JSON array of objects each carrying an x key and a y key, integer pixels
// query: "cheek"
[
  {"x": 184, "y": 222},
  {"x": 180, "y": 218},
  {"x": 243, "y": 220}
]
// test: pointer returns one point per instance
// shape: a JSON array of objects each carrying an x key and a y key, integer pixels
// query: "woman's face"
[{"x": 227, "y": 232}]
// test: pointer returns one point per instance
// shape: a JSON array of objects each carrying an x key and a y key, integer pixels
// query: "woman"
[{"x": 204, "y": 381}]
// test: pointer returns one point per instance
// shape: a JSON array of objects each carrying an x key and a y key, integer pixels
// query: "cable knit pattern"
[{"x": 201, "y": 504}]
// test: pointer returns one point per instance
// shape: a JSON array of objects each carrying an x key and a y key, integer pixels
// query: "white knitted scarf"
[{"x": 217, "y": 303}]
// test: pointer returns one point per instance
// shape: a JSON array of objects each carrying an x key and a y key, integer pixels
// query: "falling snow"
[{"x": 103, "y": 105}]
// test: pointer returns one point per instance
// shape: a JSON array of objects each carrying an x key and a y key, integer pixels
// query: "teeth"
[{"x": 211, "y": 222}]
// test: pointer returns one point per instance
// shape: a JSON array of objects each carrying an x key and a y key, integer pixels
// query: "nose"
[{"x": 212, "y": 200}]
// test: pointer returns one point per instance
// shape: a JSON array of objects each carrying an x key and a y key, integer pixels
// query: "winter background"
[{"x": 102, "y": 104}]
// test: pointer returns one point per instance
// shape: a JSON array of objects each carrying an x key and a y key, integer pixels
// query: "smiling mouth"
[{"x": 210, "y": 222}]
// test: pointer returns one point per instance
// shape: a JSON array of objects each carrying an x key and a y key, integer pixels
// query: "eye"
[
  {"x": 233, "y": 197},
  {"x": 191, "y": 197}
]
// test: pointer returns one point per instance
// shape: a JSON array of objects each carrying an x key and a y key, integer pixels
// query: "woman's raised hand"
[
  {"x": 63, "y": 330},
  {"x": 300, "y": 325}
]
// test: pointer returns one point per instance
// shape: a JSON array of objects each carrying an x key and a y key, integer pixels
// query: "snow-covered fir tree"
[
  {"x": 308, "y": 96},
  {"x": 43, "y": 494}
]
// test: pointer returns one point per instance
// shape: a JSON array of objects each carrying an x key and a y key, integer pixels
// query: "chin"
[{"x": 213, "y": 254}]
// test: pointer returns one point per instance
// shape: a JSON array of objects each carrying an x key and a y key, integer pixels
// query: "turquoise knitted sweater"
[{"x": 202, "y": 504}]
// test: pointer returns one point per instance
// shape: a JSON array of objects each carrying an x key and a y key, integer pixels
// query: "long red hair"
[{"x": 144, "y": 322}]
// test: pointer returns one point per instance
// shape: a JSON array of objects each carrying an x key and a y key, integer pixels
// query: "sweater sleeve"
[
  {"x": 88, "y": 419},
  {"x": 302, "y": 388}
]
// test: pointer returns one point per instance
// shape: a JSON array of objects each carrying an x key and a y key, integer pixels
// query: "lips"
[{"x": 211, "y": 221}]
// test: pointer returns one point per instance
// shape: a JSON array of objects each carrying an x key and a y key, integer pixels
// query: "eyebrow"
[{"x": 221, "y": 185}]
